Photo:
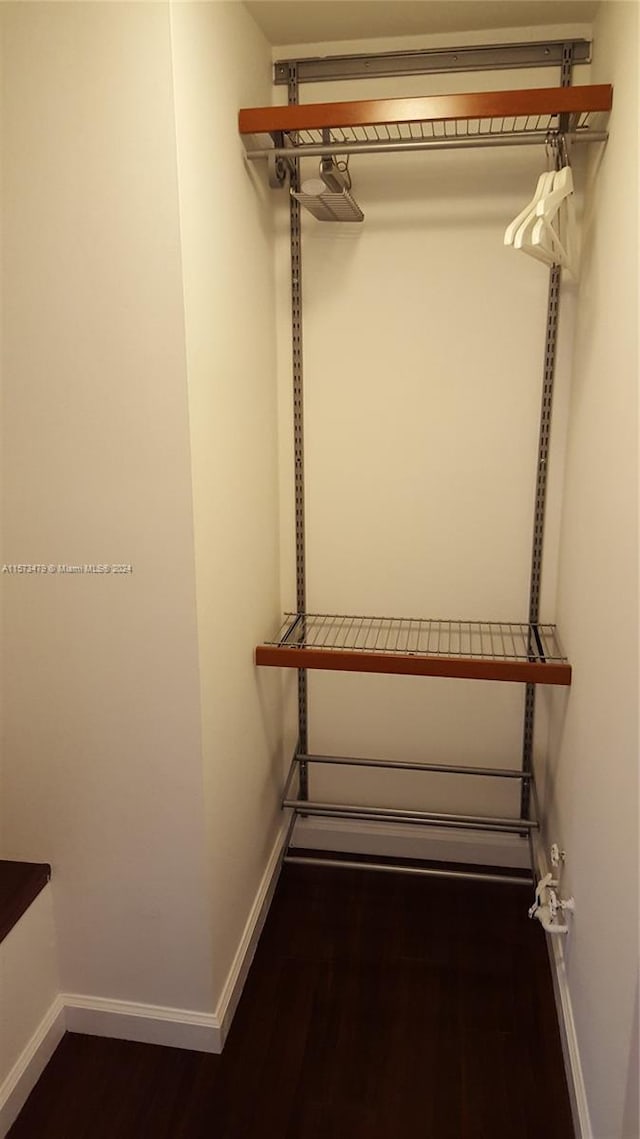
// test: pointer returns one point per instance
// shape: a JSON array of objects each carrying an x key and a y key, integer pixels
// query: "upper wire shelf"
[
  {"x": 477, "y": 650},
  {"x": 489, "y": 118}
]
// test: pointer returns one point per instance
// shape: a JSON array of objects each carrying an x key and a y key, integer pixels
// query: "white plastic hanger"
[
  {"x": 543, "y": 184},
  {"x": 545, "y": 229},
  {"x": 554, "y": 228},
  {"x": 522, "y": 239}
]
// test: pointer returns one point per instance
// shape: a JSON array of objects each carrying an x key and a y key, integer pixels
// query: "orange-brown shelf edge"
[
  {"x": 343, "y": 660},
  {"x": 479, "y": 105}
]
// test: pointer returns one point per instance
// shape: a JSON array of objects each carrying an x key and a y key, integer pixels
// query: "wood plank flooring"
[{"x": 379, "y": 1006}]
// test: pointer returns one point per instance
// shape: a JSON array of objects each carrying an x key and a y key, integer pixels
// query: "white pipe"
[
  {"x": 546, "y": 906},
  {"x": 543, "y": 914}
]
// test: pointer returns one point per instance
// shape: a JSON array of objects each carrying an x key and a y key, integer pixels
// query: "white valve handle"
[{"x": 546, "y": 905}]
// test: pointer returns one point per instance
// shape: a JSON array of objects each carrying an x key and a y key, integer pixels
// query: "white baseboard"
[
  {"x": 241, "y": 963},
  {"x": 175, "y": 1027},
  {"x": 569, "y": 1038},
  {"x": 148, "y": 1024},
  {"x": 30, "y": 1065},
  {"x": 568, "y": 1034},
  {"x": 407, "y": 841}
]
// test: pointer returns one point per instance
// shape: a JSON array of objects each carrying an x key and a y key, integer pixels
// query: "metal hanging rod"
[
  {"x": 521, "y": 138},
  {"x": 378, "y": 65}
]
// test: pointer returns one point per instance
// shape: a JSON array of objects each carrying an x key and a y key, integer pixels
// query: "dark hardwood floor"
[{"x": 379, "y": 1006}]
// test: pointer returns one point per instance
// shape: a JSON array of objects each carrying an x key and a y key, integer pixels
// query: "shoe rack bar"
[
  {"x": 428, "y": 818},
  {"x": 396, "y": 866},
  {"x": 402, "y": 765}
]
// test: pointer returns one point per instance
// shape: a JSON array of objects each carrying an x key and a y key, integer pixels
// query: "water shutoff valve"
[{"x": 548, "y": 908}]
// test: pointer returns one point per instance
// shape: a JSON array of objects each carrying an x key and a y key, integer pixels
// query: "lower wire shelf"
[{"x": 416, "y": 646}]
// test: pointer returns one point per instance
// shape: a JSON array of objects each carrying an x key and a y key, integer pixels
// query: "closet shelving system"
[{"x": 529, "y": 652}]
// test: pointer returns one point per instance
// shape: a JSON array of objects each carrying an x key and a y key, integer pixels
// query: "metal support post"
[
  {"x": 298, "y": 429},
  {"x": 551, "y": 341}
]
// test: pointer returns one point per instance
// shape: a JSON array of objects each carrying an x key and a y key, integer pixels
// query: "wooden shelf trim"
[
  {"x": 344, "y": 660},
  {"x": 480, "y": 105}
]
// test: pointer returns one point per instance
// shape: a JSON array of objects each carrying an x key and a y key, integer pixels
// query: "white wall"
[
  {"x": 103, "y": 774},
  {"x": 592, "y": 787},
  {"x": 143, "y": 751},
  {"x": 221, "y": 63},
  {"x": 29, "y": 986},
  {"x": 423, "y": 348},
  {"x": 31, "y": 1012}
]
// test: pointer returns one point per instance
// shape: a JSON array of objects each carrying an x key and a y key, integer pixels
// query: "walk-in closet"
[
  {"x": 422, "y": 475},
  {"x": 320, "y": 569}
]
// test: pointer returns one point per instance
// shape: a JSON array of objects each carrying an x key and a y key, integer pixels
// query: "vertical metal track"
[
  {"x": 298, "y": 431},
  {"x": 551, "y": 342}
]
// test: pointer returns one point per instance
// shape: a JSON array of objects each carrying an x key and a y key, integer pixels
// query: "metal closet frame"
[{"x": 285, "y": 163}]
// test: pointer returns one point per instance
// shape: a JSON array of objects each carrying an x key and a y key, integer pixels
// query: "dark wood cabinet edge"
[{"x": 20, "y": 884}]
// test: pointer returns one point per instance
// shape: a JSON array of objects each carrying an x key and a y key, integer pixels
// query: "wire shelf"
[
  {"x": 482, "y": 119},
  {"x": 438, "y": 129},
  {"x": 421, "y": 646}
]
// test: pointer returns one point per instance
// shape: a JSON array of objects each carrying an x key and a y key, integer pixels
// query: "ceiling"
[{"x": 315, "y": 21}]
